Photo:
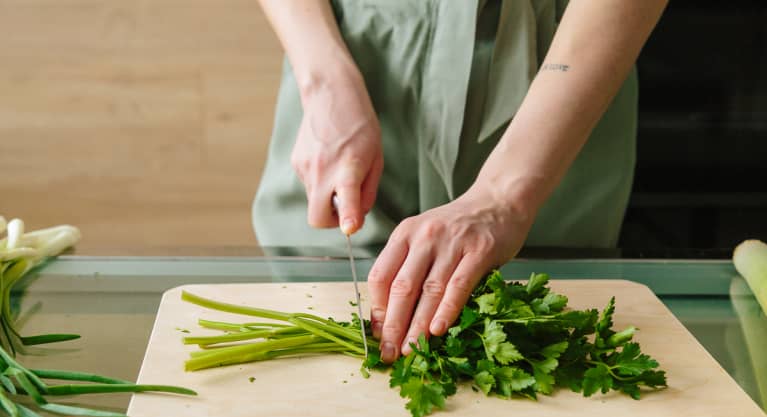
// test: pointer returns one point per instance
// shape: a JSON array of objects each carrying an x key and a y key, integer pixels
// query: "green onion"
[
  {"x": 750, "y": 259},
  {"x": 21, "y": 252}
]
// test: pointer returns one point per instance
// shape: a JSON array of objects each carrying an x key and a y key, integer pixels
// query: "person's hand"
[
  {"x": 338, "y": 151},
  {"x": 439, "y": 256}
]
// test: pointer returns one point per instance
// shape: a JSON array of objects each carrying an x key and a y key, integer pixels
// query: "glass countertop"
[{"x": 112, "y": 302}]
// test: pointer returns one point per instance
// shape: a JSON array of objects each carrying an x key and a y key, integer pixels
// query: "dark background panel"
[{"x": 701, "y": 175}]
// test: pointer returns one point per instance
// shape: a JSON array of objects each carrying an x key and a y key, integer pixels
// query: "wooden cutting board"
[{"x": 331, "y": 384}]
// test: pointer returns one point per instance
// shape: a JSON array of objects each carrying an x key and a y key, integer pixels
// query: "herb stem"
[
  {"x": 326, "y": 332},
  {"x": 239, "y": 336},
  {"x": 239, "y": 353},
  {"x": 233, "y": 327},
  {"x": 610, "y": 371},
  {"x": 233, "y": 308}
]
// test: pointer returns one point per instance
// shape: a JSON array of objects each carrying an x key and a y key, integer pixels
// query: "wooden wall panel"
[{"x": 143, "y": 122}]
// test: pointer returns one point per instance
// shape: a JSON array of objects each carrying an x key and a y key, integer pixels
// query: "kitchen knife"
[{"x": 354, "y": 279}]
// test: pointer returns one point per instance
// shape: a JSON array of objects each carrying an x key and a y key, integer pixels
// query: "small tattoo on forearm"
[{"x": 555, "y": 67}]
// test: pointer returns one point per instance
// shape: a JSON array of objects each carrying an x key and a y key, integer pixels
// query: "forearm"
[
  {"x": 308, "y": 32},
  {"x": 594, "y": 48}
]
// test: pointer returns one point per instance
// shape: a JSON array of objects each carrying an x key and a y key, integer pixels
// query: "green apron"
[{"x": 445, "y": 78}]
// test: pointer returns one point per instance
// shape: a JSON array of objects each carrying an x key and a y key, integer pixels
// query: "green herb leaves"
[
  {"x": 512, "y": 339},
  {"x": 518, "y": 339},
  {"x": 417, "y": 377}
]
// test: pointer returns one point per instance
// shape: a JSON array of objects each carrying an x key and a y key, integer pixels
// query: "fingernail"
[
  {"x": 347, "y": 226},
  {"x": 438, "y": 326},
  {"x": 387, "y": 352}
]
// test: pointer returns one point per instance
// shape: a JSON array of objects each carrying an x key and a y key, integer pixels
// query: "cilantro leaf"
[
  {"x": 520, "y": 339},
  {"x": 517, "y": 309},
  {"x": 492, "y": 282},
  {"x": 631, "y": 362},
  {"x": 423, "y": 346},
  {"x": 492, "y": 337},
  {"x": 424, "y": 396},
  {"x": 536, "y": 284},
  {"x": 653, "y": 379},
  {"x": 544, "y": 381},
  {"x": 468, "y": 317},
  {"x": 454, "y": 346},
  {"x": 555, "y": 302},
  {"x": 597, "y": 379},
  {"x": 606, "y": 318},
  {"x": 401, "y": 370},
  {"x": 632, "y": 389},
  {"x": 420, "y": 365},
  {"x": 511, "y": 379},
  {"x": 485, "y": 381},
  {"x": 546, "y": 366},
  {"x": 374, "y": 358},
  {"x": 555, "y": 350},
  {"x": 507, "y": 353},
  {"x": 604, "y": 325},
  {"x": 582, "y": 322},
  {"x": 496, "y": 346},
  {"x": 571, "y": 376},
  {"x": 487, "y": 303},
  {"x": 549, "y": 303}
]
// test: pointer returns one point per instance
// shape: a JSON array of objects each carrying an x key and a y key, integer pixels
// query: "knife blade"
[{"x": 353, "y": 266}]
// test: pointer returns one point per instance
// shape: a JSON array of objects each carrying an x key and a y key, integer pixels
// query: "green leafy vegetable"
[
  {"x": 20, "y": 253},
  {"x": 518, "y": 339},
  {"x": 511, "y": 339}
]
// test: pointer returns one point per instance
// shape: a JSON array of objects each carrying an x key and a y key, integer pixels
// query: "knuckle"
[
  {"x": 449, "y": 308},
  {"x": 399, "y": 235},
  {"x": 462, "y": 283},
  {"x": 433, "y": 288},
  {"x": 484, "y": 243},
  {"x": 405, "y": 225},
  {"x": 432, "y": 230},
  {"x": 375, "y": 277},
  {"x": 393, "y": 328},
  {"x": 402, "y": 288}
]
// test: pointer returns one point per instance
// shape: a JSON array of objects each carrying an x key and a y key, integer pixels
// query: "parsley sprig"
[
  {"x": 519, "y": 339},
  {"x": 511, "y": 339}
]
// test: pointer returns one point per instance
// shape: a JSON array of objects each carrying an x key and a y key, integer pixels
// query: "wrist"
[
  {"x": 332, "y": 70},
  {"x": 520, "y": 196}
]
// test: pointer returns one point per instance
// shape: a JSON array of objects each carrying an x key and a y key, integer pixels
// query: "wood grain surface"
[
  {"x": 331, "y": 385},
  {"x": 145, "y": 123}
]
